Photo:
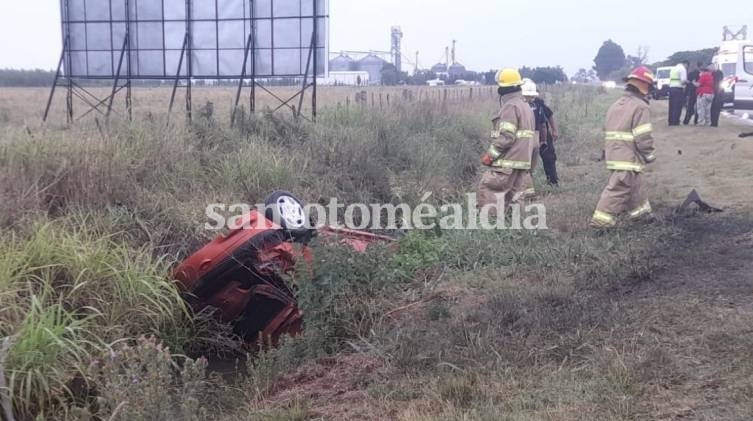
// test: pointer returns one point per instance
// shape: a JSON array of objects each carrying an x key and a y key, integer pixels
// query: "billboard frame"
[{"x": 122, "y": 58}]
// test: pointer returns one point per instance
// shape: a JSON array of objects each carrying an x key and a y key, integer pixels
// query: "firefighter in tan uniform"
[
  {"x": 629, "y": 147},
  {"x": 509, "y": 157}
]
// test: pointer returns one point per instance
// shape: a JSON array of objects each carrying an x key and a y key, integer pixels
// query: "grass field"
[{"x": 643, "y": 322}]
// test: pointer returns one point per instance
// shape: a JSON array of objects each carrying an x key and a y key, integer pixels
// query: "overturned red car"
[{"x": 241, "y": 275}]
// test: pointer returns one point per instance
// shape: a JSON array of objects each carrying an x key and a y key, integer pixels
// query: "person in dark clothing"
[
  {"x": 546, "y": 126},
  {"x": 716, "y": 105},
  {"x": 690, "y": 93}
]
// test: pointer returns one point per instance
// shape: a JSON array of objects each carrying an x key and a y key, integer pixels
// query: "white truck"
[{"x": 662, "y": 82}]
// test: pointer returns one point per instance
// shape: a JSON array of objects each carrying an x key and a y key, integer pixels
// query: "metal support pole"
[
  {"x": 316, "y": 59},
  {"x": 243, "y": 76},
  {"x": 117, "y": 77},
  {"x": 55, "y": 82},
  {"x": 177, "y": 77},
  {"x": 306, "y": 75},
  {"x": 129, "y": 69},
  {"x": 69, "y": 102},
  {"x": 189, "y": 48},
  {"x": 252, "y": 97}
]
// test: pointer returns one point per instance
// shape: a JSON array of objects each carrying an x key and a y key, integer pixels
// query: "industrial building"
[{"x": 347, "y": 64}]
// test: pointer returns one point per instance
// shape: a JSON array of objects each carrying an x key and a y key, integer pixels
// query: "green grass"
[{"x": 93, "y": 219}]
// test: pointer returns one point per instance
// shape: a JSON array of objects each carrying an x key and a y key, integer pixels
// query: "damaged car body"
[{"x": 242, "y": 275}]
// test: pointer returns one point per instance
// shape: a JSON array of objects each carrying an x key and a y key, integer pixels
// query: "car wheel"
[{"x": 288, "y": 211}]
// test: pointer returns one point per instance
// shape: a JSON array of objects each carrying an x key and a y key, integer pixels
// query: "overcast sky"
[{"x": 490, "y": 33}]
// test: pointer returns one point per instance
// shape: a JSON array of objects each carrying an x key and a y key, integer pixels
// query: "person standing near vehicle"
[
  {"x": 718, "y": 102},
  {"x": 706, "y": 88},
  {"x": 629, "y": 147},
  {"x": 509, "y": 156},
  {"x": 546, "y": 126},
  {"x": 692, "y": 95},
  {"x": 678, "y": 79}
]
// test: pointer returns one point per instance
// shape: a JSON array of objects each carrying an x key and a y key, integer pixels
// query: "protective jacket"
[
  {"x": 514, "y": 130},
  {"x": 629, "y": 146},
  {"x": 628, "y": 134}
]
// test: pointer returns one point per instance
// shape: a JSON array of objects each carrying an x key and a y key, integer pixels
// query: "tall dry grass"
[{"x": 94, "y": 215}]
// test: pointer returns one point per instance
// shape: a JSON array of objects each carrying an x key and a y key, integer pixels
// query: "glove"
[{"x": 487, "y": 160}]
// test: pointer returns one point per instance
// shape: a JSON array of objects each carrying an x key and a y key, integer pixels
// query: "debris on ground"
[{"x": 695, "y": 198}]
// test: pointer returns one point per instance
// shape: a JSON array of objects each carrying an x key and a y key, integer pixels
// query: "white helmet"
[{"x": 529, "y": 88}]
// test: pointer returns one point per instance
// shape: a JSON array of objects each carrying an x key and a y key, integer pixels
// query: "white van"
[
  {"x": 744, "y": 78},
  {"x": 735, "y": 60}
]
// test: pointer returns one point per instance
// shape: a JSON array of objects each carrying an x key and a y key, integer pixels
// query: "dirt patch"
[
  {"x": 699, "y": 311},
  {"x": 335, "y": 388}
]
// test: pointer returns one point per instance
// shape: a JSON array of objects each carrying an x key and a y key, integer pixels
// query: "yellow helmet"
[{"x": 508, "y": 77}]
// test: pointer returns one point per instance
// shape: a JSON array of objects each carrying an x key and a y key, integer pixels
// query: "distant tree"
[
  {"x": 610, "y": 58},
  {"x": 468, "y": 76},
  {"x": 390, "y": 75},
  {"x": 545, "y": 75},
  {"x": 585, "y": 76},
  {"x": 631, "y": 62},
  {"x": 23, "y": 78},
  {"x": 488, "y": 77},
  {"x": 421, "y": 77},
  {"x": 639, "y": 59},
  {"x": 704, "y": 56}
]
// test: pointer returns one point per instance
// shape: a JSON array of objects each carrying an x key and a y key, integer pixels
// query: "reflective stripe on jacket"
[
  {"x": 629, "y": 134},
  {"x": 513, "y": 134}
]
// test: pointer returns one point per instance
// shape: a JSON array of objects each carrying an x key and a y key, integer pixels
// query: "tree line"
[
  {"x": 26, "y": 78},
  {"x": 611, "y": 62}
]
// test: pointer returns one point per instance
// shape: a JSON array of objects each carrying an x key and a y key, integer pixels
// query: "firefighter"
[
  {"x": 509, "y": 157},
  {"x": 629, "y": 147}
]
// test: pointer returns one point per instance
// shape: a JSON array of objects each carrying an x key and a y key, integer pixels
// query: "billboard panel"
[{"x": 215, "y": 34}]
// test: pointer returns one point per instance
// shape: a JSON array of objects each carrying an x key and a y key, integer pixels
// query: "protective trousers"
[
  {"x": 529, "y": 189},
  {"x": 624, "y": 193},
  {"x": 495, "y": 184}
]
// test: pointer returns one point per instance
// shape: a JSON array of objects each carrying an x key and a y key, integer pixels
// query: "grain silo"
[
  {"x": 373, "y": 65},
  {"x": 456, "y": 70},
  {"x": 439, "y": 68},
  {"x": 342, "y": 63}
]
